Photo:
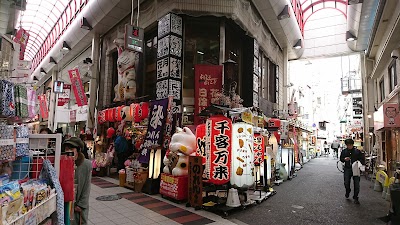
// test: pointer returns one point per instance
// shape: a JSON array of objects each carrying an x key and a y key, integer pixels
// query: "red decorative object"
[
  {"x": 67, "y": 165},
  {"x": 208, "y": 82},
  {"x": 132, "y": 111},
  {"x": 118, "y": 113},
  {"x": 201, "y": 142},
  {"x": 174, "y": 187},
  {"x": 218, "y": 149},
  {"x": 145, "y": 110},
  {"x": 44, "y": 111},
  {"x": 259, "y": 148},
  {"x": 110, "y": 115},
  {"x": 77, "y": 87},
  {"x": 101, "y": 116},
  {"x": 21, "y": 37}
]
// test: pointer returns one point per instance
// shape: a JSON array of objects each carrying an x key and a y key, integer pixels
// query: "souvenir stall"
[{"x": 24, "y": 157}]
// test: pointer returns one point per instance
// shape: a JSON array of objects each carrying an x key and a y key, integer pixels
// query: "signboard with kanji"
[
  {"x": 201, "y": 142},
  {"x": 195, "y": 181},
  {"x": 134, "y": 38},
  {"x": 259, "y": 149}
]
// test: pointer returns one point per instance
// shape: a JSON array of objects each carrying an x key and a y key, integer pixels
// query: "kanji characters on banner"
[
  {"x": 201, "y": 142},
  {"x": 218, "y": 147},
  {"x": 259, "y": 149},
  {"x": 44, "y": 111},
  {"x": 64, "y": 97},
  {"x": 77, "y": 87}
]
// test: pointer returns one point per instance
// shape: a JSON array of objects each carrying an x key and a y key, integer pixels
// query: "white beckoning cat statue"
[{"x": 183, "y": 142}]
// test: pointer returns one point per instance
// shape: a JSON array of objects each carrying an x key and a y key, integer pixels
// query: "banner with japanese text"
[
  {"x": 21, "y": 37},
  {"x": 63, "y": 98},
  {"x": 77, "y": 87},
  {"x": 208, "y": 82},
  {"x": 44, "y": 111},
  {"x": 154, "y": 135}
]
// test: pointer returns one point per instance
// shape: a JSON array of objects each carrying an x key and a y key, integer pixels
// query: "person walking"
[
  {"x": 349, "y": 156},
  {"x": 335, "y": 146},
  {"x": 83, "y": 176},
  {"x": 326, "y": 148}
]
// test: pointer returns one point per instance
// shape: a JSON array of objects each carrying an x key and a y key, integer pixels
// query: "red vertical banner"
[
  {"x": 259, "y": 149},
  {"x": 296, "y": 146},
  {"x": 44, "y": 111},
  {"x": 218, "y": 149},
  {"x": 63, "y": 98},
  {"x": 77, "y": 87},
  {"x": 208, "y": 82},
  {"x": 21, "y": 37}
]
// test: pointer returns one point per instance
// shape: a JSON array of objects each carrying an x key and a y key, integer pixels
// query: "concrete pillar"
[
  {"x": 93, "y": 81},
  {"x": 285, "y": 79}
]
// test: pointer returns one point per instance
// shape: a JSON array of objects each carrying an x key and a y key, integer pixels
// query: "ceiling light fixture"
[
  {"x": 298, "y": 44},
  {"x": 85, "y": 24},
  {"x": 350, "y": 36},
  {"x": 66, "y": 46},
  {"x": 285, "y": 13},
  {"x": 87, "y": 61},
  {"x": 42, "y": 71},
  {"x": 52, "y": 60}
]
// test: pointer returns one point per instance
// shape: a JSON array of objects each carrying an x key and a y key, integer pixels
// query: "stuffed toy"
[{"x": 183, "y": 144}]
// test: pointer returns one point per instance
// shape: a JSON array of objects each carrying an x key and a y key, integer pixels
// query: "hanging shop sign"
[
  {"x": 63, "y": 98},
  {"x": 284, "y": 129},
  {"x": 44, "y": 111},
  {"x": 274, "y": 124},
  {"x": 208, "y": 82},
  {"x": 218, "y": 149},
  {"x": 195, "y": 181},
  {"x": 154, "y": 135},
  {"x": 72, "y": 116},
  {"x": 21, "y": 37},
  {"x": 77, "y": 86},
  {"x": 58, "y": 86},
  {"x": 168, "y": 124},
  {"x": 242, "y": 155},
  {"x": 259, "y": 149},
  {"x": 134, "y": 38},
  {"x": 387, "y": 116},
  {"x": 201, "y": 142}
]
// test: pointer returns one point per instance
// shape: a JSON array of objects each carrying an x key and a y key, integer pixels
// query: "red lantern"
[
  {"x": 259, "y": 145},
  {"x": 132, "y": 111},
  {"x": 107, "y": 113},
  {"x": 201, "y": 142},
  {"x": 218, "y": 149},
  {"x": 118, "y": 113},
  {"x": 101, "y": 116},
  {"x": 144, "y": 114},
  {"x": 111, "y": 115}
]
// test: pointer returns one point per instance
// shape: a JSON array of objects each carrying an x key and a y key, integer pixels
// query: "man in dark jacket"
[{"x": 349, "y": 156}]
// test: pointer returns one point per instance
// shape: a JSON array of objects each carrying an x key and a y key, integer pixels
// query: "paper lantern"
[
  {"x": 101, "y": 116},
  {"x": 242, "y": 155},
  {"x": 143, "y": 111},
  {"x": 201, "y": 142},
  {"x": 109, "y": 115},
  {"x": 126, "y": 113},
  {"x": 259, "y": 145},
  {"x": 218, "y": 149},
  {"x": 118, "y": 113},
  {"x": 132, "y": 111}
]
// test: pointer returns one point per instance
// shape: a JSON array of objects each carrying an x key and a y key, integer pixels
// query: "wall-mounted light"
[
  {"x": 285, "y": 13},
  {"x": 369, "y": 116},
  {"x": 66, "y": 46},
  {"x": 350, "y": 36},
  {"x": 298, "y": 44},
  {"x": 52, "y": 60},
  {"x": 85, "y": 24},
  {"x": 42, "y": 71}
]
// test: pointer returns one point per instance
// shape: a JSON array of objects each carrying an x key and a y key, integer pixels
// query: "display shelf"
[{"x": 37, "y": 214}]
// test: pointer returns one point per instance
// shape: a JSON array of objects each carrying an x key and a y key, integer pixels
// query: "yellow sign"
[{"x": 247, "y": 117}]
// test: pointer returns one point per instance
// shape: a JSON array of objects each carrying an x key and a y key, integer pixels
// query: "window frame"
[
  {"x": 392, "y": 74},
  {"x": 381, "y": 85}
]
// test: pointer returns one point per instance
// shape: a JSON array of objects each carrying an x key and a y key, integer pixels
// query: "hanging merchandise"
[
  {"x": 22, "y": 141},
  {"x": 218, "y": 149},
  {"x": 242, "y": 155},
  {"x": 7, "y": 142},
  {"x": 44, "y": 111},
  {"x": 77, "y": 87},
  {"x": 201, "y": 142},
  {"x": 21, "y": 37},
  {"x": 21, "y": 101},
  {"x": 31, "y": 103},
  {"x": 7, "y": 101},
  {"x": 67, "y": 164}
]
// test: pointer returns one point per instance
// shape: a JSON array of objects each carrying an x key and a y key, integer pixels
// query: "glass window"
[
  {"x": 150, "y": 67},
  {"x": 392, "y": 75},
  {"x": 264, "y": 77},
  {"x": 382, "y": 89},
  {"x": 201, "y": 46},
  {"x": 233, "y": 49},
  {"x": 272, "y": 83}
]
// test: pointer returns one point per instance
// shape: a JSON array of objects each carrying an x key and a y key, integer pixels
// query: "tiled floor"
[{"x": 141, "y": 209}]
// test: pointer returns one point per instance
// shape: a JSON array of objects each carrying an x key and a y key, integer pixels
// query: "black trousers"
[{"x": 348, "y": 173}]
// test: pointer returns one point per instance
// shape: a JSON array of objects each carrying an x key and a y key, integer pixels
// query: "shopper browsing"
[
  {"x": 349, "y": 156},
  {"x": 83, "y": 176}
]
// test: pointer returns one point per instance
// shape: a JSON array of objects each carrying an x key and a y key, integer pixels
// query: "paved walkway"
[{"x": 316, "y": 196}]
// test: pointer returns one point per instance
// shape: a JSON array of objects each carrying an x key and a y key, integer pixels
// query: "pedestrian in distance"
[
  {"x": 335, "y": 147},
  {"x": 326, "y": 148},
  {"x": 349, "y": 156},
  {"x": 83, "y": 176}
]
